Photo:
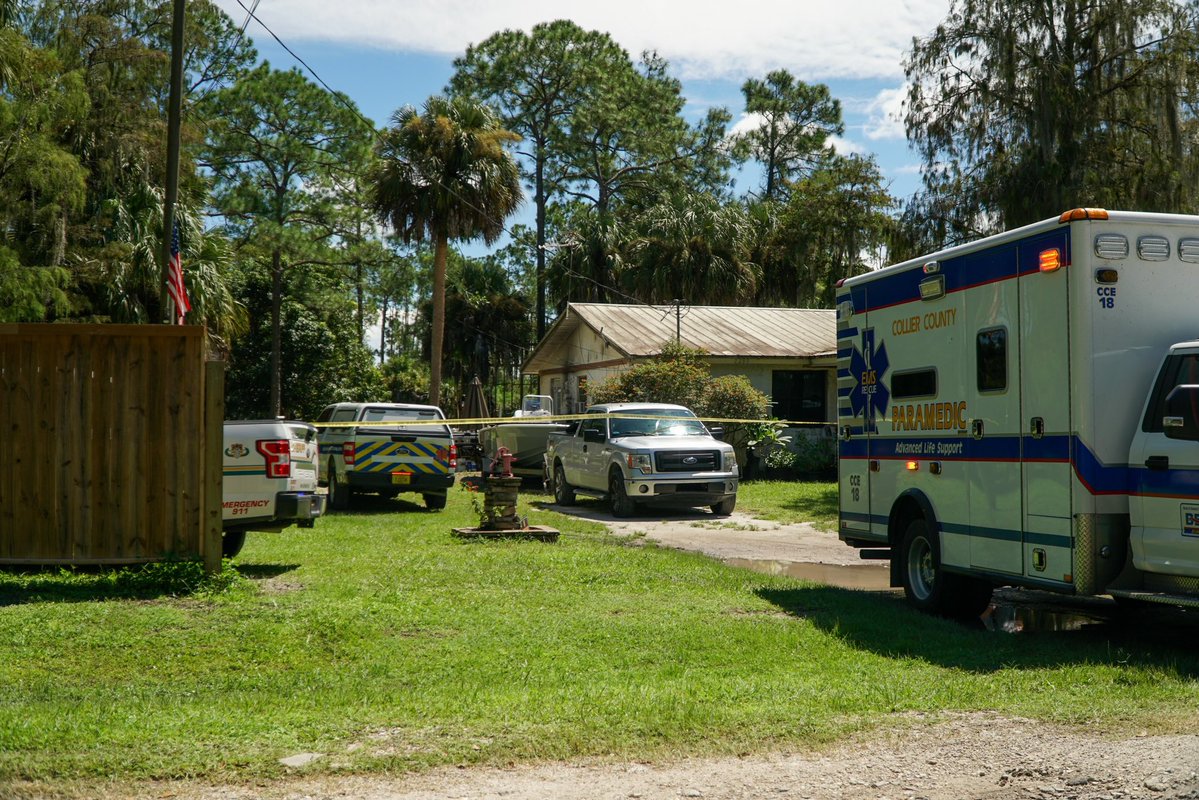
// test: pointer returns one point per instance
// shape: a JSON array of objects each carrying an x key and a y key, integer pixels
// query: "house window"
[{"x": 800, "y": 395}]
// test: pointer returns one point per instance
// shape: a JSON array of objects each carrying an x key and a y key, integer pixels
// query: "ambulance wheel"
[
  {"x": 928, "y": 587},
  {"x": 435, "y": 502},
  {"x": 232, "y": 543},
  {"x": 339, "y": 492},
  {"x": 923, "y": 578},
  {"x": 564, "y": 493},
  {"x": 622, "y": 505}
]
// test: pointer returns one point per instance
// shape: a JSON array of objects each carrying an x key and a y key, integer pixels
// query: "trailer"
[{"x": 1024, "y": 410}]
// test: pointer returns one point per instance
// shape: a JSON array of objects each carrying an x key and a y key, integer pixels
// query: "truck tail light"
[
  {"x": 277, "y": 453},
  {"x": 347, "y": 453},
  {"x": 449, "y": 456}
]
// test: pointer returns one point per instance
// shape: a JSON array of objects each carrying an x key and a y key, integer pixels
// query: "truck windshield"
[
  {"x": 657, "y": 422},
  {"x": 394, "y": 415}
]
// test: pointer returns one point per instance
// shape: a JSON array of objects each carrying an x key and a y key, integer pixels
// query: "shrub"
[
  {"x": 679, "y": 375},
  {"x": 676, "y": 375},
  {"x": 734, "y": 397},
  {"x": 816, "y": 457}
]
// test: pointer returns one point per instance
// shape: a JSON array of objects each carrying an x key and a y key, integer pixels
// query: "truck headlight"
[
  {"x": 641, "y": 461},
  {"x": 730, "y": 461}
]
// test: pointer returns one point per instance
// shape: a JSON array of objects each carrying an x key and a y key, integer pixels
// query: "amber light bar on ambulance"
[{"x": 1076, "y": 214}]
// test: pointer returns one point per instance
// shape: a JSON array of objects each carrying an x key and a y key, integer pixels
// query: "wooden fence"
[{"x": 112, "y": 444}]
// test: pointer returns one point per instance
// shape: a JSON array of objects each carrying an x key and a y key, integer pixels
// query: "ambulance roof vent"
[
  {"x": 1188, "y": 250},
  {"x": 1153, "y": 248},
  {"x": 1111, "y": 246}
]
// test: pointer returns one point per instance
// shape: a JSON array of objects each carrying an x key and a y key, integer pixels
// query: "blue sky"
[{"x": 388, "y": 53}]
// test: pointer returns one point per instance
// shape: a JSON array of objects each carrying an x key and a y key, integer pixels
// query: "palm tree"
[
  {"x": 444, "y": 174},
  {"x": 694, "y": 247}
]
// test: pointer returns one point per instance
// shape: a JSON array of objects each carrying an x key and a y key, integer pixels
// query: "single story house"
[{"x": 790, "y": 354}]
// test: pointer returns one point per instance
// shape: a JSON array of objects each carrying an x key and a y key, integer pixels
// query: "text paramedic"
[{"x": 929, "y": 417}]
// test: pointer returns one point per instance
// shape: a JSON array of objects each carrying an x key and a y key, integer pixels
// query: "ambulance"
[
  {"x": 1024, "y": 410},
  {"x": 386, "y": 449}
]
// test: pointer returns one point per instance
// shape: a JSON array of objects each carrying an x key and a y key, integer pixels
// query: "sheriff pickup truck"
[
  {"x": 636, "y": 454},
  {"x": 386, "y": 449},
  {"x": 269, "y": 479}
]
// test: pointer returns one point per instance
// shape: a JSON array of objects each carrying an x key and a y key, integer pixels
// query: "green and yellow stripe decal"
[
  {"x": 247, "y": 469},
  {"x": 385, "y": 456}
]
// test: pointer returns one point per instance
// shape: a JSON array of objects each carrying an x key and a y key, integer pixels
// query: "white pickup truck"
[
  {"x": 637, "y": 454},
  {"x": 269, "y": 479}
]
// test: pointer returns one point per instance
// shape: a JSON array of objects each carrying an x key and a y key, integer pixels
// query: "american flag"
[{"x": 175, "y": 285}]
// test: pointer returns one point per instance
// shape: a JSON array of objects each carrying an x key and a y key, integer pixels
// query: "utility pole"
[
  {"x": 174, "y": 119},
  {"x": 678, "y": 320}
]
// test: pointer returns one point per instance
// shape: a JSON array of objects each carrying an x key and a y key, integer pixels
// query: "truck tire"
[
  {"x": 928, "y": 587},
  {"x": 724, "y": 507},
  {"x": 622, "y": 504},
  {"x": 564, "y": 493},
  {"x": 435, "y": 502},
  {"x": 232, "y": 543},
  {"x": 339, "y": 492},
  {"x": 920, "y": 568}
]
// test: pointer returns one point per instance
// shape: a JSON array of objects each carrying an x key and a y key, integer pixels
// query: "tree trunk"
[
  {"x": 539, "y": 200},
  {"x": 359, "y": 289},
  {"x": 276, "y": 333},
  {"x": 383, "y": 329},
  {"x": 440, "y": 251}
]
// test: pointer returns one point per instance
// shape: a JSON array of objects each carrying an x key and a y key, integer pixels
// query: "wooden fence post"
[{"x": 214, "y": 439}]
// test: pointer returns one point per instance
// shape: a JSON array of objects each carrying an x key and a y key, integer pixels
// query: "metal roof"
[{"x": 637, "y": 331}]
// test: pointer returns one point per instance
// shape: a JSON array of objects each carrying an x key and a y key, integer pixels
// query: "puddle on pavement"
[
  {"x": 1005, "y": 617},
  {"x": 870, "y": 577}
]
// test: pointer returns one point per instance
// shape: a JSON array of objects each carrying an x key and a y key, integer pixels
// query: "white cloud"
[
  {"x": 815, "y": 40},
  {"x": 747, "y": 123},
  {"x": 751, "y": 122},
  {"x": 884, "y": 114},
  {"x": 845, "y": 147}
]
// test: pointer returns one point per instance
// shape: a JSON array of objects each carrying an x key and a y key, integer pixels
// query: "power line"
[
  {"x": 251, "y": 13},
  {"x": 341, "y": 98}
]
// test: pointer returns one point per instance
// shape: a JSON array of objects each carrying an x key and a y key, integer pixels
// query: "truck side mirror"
[
  {"x": 594, "y": 436},
  {"x": 1182, "y": 413},
  {"x": 717, "y": 433}
]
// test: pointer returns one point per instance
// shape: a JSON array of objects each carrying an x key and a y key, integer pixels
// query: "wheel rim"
[
  {"x": 559, "y": 483},
  {"x": 616, "y": 489},
  {"x": 922, "y": 573}
]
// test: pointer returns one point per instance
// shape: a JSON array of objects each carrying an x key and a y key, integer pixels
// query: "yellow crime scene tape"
[{"x": 412, "y": 423}]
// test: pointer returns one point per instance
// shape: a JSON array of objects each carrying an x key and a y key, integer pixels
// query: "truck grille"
[{"x": 688, "y": 461}]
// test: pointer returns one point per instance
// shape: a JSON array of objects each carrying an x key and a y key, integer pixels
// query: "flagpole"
[{"x": 174, "y": 119}]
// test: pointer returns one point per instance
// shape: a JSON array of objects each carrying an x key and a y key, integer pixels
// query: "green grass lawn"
[
  {"x": 379, "y": 639},
  {"x": 791, "y": 501}
]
